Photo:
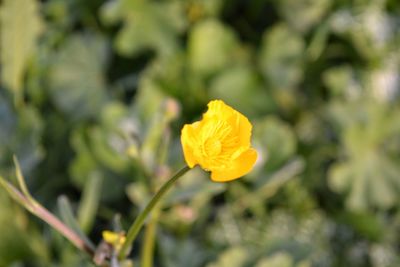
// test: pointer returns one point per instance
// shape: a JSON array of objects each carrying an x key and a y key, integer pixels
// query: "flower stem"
[
  {"x": 149, "y": 239},
  {"x": 41, "y": 212},
  {"x": 139, "y": 221}
]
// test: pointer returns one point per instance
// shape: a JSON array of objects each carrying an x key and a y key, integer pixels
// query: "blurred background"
[{"x": 93, "y": 95}]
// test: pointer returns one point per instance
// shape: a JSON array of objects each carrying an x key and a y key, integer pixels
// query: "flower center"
[{"x": 212, "y": 147}]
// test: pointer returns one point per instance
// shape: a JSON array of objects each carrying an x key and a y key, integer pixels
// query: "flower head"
[
  {"x": 220, "y": 143},
  {"x": 114, "y": 239}
]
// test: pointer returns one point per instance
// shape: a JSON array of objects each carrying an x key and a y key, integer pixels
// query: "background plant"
[{"x": 94, "y": 93}]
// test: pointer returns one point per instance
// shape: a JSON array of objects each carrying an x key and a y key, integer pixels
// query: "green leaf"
[
  {"x": 371, "y": 181},
  {"x": 20, "y": 240},
  {"x": 138, "y": 193},
  {"x": 155, "y": 144},
  {"x": 170, "y": 76},
  {"x": 111, "y": 140},
  {"x": 211, "y": 46},
  {"x": 8, "y": 124},
  {"x": 108, "y": 148},
  {"x": 368, "y": 31},
  {"x": 281, "y": 57},
  {"x": 69, "y": 219},
  {"x": 191, "y": 253},
  {"x": 90, "y": 202},
  {"x": 232, "y": 257},
  {"x": 368, "y": 224},
  {"x": 77, "y": 84},
  {"x": 84, "y": 164},
  {"x": 341, "y": 82},
  {"x": 318, "y": 42},
  {"x": 275, "y": 141},
  {"x": 21, "y": 25},
  {"x": 279, "y": 259},
  {"x": 238, "y": 86},
  {"x": 21, "y": 182},
  {"x": 146, "y": 25},
  {"x": 368, "y": 172},
  {"x": 267, "y": 185},
  {"x": 307, "y": 12},
  {"x": 198, "y": 9},
  {"x": 25, "y": 141}
]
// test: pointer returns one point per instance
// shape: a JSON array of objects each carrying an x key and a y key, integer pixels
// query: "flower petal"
[
  {"x": 219, "y": 109},
  {"x": 236, "y": 119},
  {"x": 188, "y": 141},
  {"x": 243, "y": 127},
  {"x": 239, "y": 167}
]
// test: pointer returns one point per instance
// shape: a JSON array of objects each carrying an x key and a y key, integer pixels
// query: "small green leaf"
[
  {"x": 368, "y": 224},
  {"x": 21, "y": 25},
  {"x": 25, "y": 141},
  {"x": 90, "y": 202},
  {"x": 238, "y": 86},
  {"x": 146, "y": 24},
  {"x": 282, "y": 57},
  {"x": 303, "y": 14},
  {"x": 341, "y": 81},
  {"x": 69, "y": 219},
  {"x": 21, "y": 182},
  {"x": 368, "y": 173},
  {"x": 232, "y": 257},
  {"x": 77, "y": 83},
  {"x": 211, "y": 46},
  {"x": 275, "y": 141},
  {"x": 279, "y": 259}
]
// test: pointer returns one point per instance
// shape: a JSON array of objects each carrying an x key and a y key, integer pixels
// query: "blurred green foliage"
[{"x": 93, "y": 95}]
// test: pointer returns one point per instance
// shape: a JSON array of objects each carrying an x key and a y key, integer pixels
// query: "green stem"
[
  {"x": 149, "y": 239},
  {"x": 41, "y": 212},
  {"x": 139, "y": 221}
]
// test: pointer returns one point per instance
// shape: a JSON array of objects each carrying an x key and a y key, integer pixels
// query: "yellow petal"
[
  {"x": 239, "y": 167},
  {"x": 243, "y": 126},
  {"x": 188, "y": 140},
  {"x": 114, "y": 238},
  {"x": 236, "y": 119},
  {"x": 220, "y": 109}
]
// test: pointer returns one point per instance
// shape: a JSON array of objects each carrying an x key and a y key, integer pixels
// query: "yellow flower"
[
  {"x": 220, "y": 143},
  {"x": 114, "y": 239}
]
